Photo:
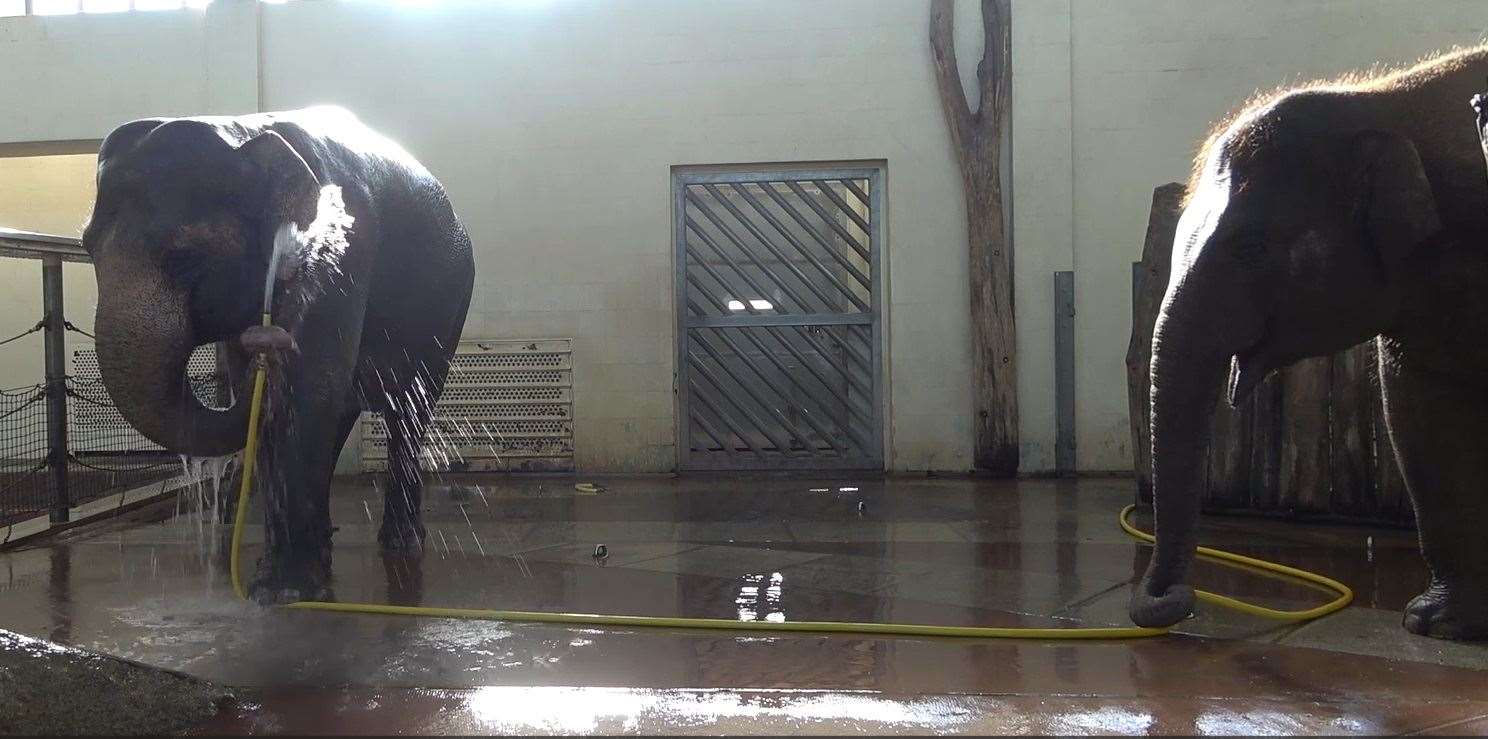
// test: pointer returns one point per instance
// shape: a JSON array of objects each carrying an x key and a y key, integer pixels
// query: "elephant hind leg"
[
  {"x": 1435, "y": 426},
  {"x": 402, "y": 504}
]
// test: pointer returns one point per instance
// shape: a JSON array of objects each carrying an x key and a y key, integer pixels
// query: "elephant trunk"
[
  {"x": 145, "y": 338},
  {"x": 1191, "y": 353}
]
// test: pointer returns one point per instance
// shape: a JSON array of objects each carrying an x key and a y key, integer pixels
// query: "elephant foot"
[
  {"x": 1173, "y": 604},
  {"x": 403, "y": 537},
  {"x": 1444, "y": 613},
  {"x": 282, "y": 585},
  {"x": 266, "y": 594}
]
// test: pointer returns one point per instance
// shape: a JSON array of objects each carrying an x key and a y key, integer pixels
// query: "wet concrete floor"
[{"x": 945, "y": 551}]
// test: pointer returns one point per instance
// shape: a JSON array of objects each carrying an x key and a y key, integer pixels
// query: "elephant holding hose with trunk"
[
  {"x": 1318, "y": 218},
  {"x": 370, "y": 293}
]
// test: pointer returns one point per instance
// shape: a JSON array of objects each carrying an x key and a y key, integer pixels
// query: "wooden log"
[
  {"x": 977, "y": 139},
  {"x": 1393, "y": 500},
  {"x": 1305, "y": 481},
  {"x": 1352, "y": 398},
  {"x": 1149, "y": 283},
  {"x": 1265, "y": 444},
  {"x": 1228, "y": 468}
]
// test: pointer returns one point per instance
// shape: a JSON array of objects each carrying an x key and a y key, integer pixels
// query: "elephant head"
[
  {"x": 180, "y": 237},
  {"x": 1296, "y": 239}
]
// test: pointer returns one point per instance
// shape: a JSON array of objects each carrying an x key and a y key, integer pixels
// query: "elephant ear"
[
  {"x": 291, "y": 190},
  {"x": 1398, "y": 209}
]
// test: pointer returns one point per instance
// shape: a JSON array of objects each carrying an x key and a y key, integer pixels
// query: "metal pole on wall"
[
  {"x": 1064, "y": 373},
  {"x": 56, "y": 381}
]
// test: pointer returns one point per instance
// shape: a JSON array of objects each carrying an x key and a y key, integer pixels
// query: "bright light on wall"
[
  {"x": 54, "y": 7},
  {"x": 12, "y": 8},
  {"x": 755, "y": 304}
]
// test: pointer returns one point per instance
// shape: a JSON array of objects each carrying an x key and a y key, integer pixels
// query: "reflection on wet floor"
[{"x": 946, "y": 551}]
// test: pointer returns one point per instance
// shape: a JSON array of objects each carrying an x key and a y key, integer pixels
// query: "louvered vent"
[{"x": 507, "y": 406}]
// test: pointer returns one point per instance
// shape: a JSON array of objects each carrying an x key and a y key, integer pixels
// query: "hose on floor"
[{"x": 1344, "y": 594}]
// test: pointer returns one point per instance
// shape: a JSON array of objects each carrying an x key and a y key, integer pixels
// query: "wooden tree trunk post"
[
  {"x": 1149, "y": 282},
  {"x": 1306, "y": 438},
  {"x": 977, "y": 138},
  {"x": 1352, "y": 421}
]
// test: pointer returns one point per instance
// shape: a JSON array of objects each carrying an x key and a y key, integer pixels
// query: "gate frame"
[{"x": 875, "y": 174}]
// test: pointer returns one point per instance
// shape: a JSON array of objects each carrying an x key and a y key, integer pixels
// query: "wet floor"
[{"x": 943, "y": 551}]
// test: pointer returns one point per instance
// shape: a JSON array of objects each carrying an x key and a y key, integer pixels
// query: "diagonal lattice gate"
[{"x": 780, "y": 333}]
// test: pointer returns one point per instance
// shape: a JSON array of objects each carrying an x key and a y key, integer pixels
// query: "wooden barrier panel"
[{"x": 1310, "y": 442}]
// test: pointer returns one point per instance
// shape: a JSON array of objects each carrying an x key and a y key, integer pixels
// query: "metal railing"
[{"x": 62, "y": 444}]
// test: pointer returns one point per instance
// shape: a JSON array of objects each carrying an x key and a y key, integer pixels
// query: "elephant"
[
  {"x": 1317, "y": 218},
  {"x": 369, "y": 300}
]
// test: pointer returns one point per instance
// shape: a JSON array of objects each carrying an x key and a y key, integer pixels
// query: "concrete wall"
[
  {"x": 78, "y": 76},
  {"x": 556, "y": 125}
]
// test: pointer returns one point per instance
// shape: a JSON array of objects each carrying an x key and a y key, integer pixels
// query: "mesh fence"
[
  {"x": 105, "y": 455},
  {"x": 24, "y": 487}
]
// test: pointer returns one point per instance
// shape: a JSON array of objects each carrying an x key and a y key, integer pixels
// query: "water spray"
[{"x": 285, "y": 239}]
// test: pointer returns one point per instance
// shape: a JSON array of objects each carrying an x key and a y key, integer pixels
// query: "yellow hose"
[
  {"x": 1345, "y": 595},
  {"x": 250, "y": 455}
]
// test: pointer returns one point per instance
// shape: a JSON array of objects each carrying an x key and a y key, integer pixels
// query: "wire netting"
[
  {"x": 24, "y": 488},
  {"x": 105, "y": 455}
]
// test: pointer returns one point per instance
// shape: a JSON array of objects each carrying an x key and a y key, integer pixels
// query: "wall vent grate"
[{"x": 507, "y": 406}]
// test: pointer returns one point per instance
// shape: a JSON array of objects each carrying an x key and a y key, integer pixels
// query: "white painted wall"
[
  {"x": 78, "y": 76},
  {"x": 555, "y": 126}
]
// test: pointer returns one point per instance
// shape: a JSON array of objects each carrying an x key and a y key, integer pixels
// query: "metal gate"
[{"x": 779, "y": 330}]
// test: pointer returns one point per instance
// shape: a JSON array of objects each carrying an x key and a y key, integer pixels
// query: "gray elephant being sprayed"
[
  {"x": 370, "y": 300},
  {"x": 1316, "y": 219}
]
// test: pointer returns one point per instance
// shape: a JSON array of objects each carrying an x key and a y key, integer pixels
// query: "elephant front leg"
[
  {"x": 300, "y": 441},
  {"x": 296, "y": 564},
  {"x": 1435, "y": 425}
]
